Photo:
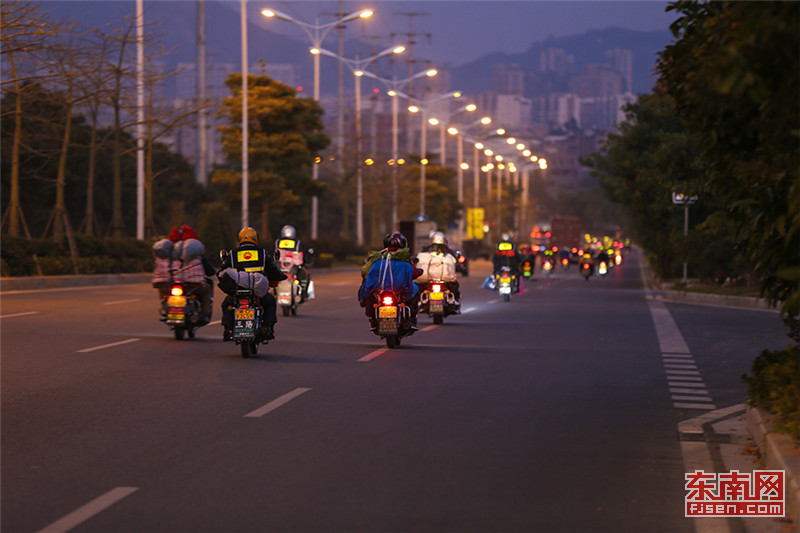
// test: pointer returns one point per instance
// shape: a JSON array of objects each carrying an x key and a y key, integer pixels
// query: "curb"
[
  {"x": 779, "y": 453},
  {"x": 724, "y": 300}
]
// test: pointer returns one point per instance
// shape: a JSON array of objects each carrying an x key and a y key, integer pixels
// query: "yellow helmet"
[{"x": 248, "y": 234}]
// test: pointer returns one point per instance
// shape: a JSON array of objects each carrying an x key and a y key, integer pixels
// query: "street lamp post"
[
  {"x": 394, "y": 87},
  {"x": 317, "y": 33},
  {"x": 357, "y": 67}
]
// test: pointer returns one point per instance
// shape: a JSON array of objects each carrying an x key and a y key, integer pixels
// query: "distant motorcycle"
[
  {"x": 392, "y": 319},
  {"x": 602, "y": 268},
  {"x": 587, "y": 268},
  {"x": 547, "y": 265},
  {"x": 288, "y": 293},
  {"x": 180, "y": 310},
  {"x": 505, "y": 282}
]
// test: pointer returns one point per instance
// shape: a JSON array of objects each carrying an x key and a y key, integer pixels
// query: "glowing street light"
[
  {"x": 357, "y": 66},
  {"x": 316, "y": 33}
]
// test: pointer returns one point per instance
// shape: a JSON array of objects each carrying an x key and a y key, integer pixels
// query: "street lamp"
[
  {"x": 424, "y": 143},
  {"x": 394, "y": 87},
  {"x": 317, "y": 33},
  {"x": 357, "y": 66}
]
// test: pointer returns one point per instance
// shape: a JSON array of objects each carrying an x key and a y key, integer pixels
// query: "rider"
[
  {"x": 401, "y": 275},
  {"x": 439, "y": 245},
  {"x": 194, "y": 273},
  {"x": 249, "y": 257},
  {"x": 506, "y": 255},
  {"x": 288, "y": 242}
]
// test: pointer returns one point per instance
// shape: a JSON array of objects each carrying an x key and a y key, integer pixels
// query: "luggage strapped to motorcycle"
[{"x": 387, "y": 266}]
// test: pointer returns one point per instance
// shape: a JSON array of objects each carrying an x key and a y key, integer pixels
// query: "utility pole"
[
  {"x": 409, "y": 54},
  {"x": 201, "y": 169}
]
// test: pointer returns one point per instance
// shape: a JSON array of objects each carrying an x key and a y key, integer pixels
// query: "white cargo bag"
[{"x": 436, "y": 267}]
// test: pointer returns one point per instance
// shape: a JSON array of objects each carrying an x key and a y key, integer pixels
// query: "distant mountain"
[
  {"x": 590, "y": 47},
  {"x": 176, "y": 22}
]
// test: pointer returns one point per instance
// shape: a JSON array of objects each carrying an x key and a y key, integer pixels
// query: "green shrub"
[{"x": 775, "y": 386}]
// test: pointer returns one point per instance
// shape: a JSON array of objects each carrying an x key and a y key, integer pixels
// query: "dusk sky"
[{"x": 462, "y": 31}]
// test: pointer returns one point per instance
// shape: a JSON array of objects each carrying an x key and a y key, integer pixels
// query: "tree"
[
  {"x": 651, "y": 157},
  {"x": 26, "y": 35},
  {"x": 286, "y": 134},
  {"x": 733, "y": 75}
]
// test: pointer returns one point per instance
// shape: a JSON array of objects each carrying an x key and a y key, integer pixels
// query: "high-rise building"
[
  {"x": 509, "y": 79},
  {"x": 621, "y": 62}
]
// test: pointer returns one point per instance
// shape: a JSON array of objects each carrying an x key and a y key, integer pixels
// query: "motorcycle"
[
  {"x": 288, "y": 293},
  {"x": 180, "y": 310},
  {"x": 392, "y": 319},
  {"x": 505, "y": 282},
  {"x": 437, "y": 301},
  {"x": 587, "y": 269},
  {"x": 248, "y": 316},
  {"x": 527, "y": 269},
  {"x": 547, "y": 265},
  {"x": 602, "y": 268},
  {"x": 565, "y": 263}
]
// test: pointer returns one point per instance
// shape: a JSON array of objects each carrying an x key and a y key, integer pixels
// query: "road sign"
[
  {"x": 475, "y": 219},
  {"x": 680, "y": 198}
]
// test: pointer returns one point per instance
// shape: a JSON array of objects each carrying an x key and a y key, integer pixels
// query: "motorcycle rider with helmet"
[
  {"x": 506, "y": 255},
  {"x": 401, "y": 275},
  {"x": 288, "y": 242},
  {"x": 440, "y": 245},
  {"x": 250, "y": 257}
]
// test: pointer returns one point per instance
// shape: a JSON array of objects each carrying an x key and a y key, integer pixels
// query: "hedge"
[
  {"x": 19, "y": 256},
  {"x": 775, "y": 386}
]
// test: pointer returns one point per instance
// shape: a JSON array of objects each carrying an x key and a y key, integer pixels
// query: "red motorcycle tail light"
[
  {"x": 177, "y": 290},
  {"x": 436, "y": 287},
  {"x": 387, "y": 300},
  {"x": 244, "y": 303}
]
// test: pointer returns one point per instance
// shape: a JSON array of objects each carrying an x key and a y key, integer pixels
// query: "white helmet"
[
  {"x": 288, "y": 232},
  {"x": 438, "y": 238}
]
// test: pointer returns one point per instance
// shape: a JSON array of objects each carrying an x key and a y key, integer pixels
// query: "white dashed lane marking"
[{"x": 686, "y": 387}]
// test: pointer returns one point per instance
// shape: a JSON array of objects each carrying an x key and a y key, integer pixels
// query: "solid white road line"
[
  {"x": 215, "y": 323},
  {"x": 274, "y": 404},
  {"x": 126, "y": 341},
  {"x": 89, "y": 510},
  {"x": 122, "y": 301},
  {"x": 468, "y": 310},
  {"x": 432, "y": 326},
  {"x": 372, "y": 355},
  {"x": 20, "y": 314}
]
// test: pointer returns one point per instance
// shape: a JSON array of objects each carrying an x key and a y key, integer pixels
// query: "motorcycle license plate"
[
  {"x": 387, "y": 312},
  {"x": 436, "y": 306},
  {"x": 245, "y": 314},
  {"x": 437, "y": 296},
  {"x": 176, "y": 314},
  {"x": 387, "y": 326}
]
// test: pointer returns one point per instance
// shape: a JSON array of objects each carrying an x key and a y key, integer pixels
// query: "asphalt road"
[{"x": 556, "y": 411}]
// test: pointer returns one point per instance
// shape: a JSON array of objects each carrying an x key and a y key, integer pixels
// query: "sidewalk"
[{"x": 738, "y": 437}]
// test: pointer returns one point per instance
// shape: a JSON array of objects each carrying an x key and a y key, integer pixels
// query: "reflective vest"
[{"x": 249, "y": 259}]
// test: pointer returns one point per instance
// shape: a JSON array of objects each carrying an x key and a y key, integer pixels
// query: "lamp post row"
[{"x": 317, "y": 33}]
